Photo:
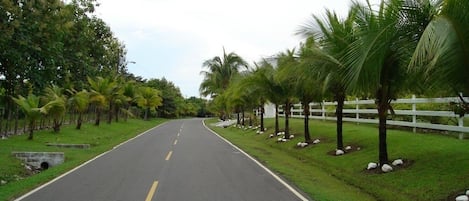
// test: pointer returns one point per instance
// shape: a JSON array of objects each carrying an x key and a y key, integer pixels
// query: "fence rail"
[{"x": 367, "y": 115}]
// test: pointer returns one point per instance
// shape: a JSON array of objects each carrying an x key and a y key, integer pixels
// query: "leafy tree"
[
  {"x": 171, "y": 95},
  {"x": 32, "y": 110},
  {"x": 148, "y": 98},
  {"x": 376, "y": 59}
]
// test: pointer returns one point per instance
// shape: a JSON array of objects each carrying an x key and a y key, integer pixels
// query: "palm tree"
[
  {"x": 30, "y": 107},
  {"x": 220, "y": 73},
  {"x": 79, "y": 102},
  {"x": 375, "y": 61},
  {"x": 325, "y": 59},
  {"x": 101, "y": 90},
  {"x": 286, "y": 61},
  {"x": 129, "y": 92},
  {"x": 55, "y": 105},
  {"x": 307, "y": 85},
  {"x": 149, "y": 99},
  {"x": 442, "y": 54}
]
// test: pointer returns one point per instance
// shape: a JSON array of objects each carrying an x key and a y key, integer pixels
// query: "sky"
[{"x": 172, "y": 38}]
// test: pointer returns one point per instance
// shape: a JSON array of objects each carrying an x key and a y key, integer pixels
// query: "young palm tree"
[
  {"x": 30, "y": 107},
  {"x": 149, "y": 99},
  {"x": 376, "y": 61},
  {"x": 101, "y": 90},
  {"x": 55, "y": 105},
  {"x": 79, "y": 102},
  {"x": 325, "y": 59}
]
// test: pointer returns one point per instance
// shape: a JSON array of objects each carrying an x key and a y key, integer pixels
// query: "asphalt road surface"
[{"x": 178, "y": 161}]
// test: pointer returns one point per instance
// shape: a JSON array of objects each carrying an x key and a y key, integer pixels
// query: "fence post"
[{"x": 414, "y": 116}]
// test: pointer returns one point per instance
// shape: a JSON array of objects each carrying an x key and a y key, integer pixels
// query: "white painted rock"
[
  {"x": 397, "y": 162},
  {"x": 316, "y": 141},
  {"x": 347, "y": 148},
  {"x": 372, "y": 166},
  {"x": 462, "y": 198},
  {"x": 258, "y": 132},
  {"x": 292, "y": 136},
  {"x": 358, "y": 148},
  {"x": 298, "y": 144},
  {"x": 467, "y": 192},
  {"x": 3, "y": 182},
  {"x": 279, "y": 133},
  {"x": 271, "y": 135},
  {"x": 284, "y": 140},
  {"x": 339, "y": 152},
  {"x": 386, "y": 168},
  {"x": 279, "y": 139},
  {"x": 304, "y": 144},
  {"x": 261, "y": 132}
]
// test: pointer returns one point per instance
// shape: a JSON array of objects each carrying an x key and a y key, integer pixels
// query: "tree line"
[
  {"x": 59, "y": 60},
  {"x": 380, "y": 52}
]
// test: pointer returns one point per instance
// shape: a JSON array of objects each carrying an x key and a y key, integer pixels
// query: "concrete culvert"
[{"x": 44, "y": 165}]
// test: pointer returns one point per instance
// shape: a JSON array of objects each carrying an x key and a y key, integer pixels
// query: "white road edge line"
[
  {"x": 83, "y": 164},
  {"x": 293, "y": 190}
]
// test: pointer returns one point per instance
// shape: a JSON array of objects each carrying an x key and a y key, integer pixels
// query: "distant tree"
[{"x": 171, "y": 95}]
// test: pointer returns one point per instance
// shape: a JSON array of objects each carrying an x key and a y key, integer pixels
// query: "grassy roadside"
[
  {"x": 438, "y": 164},
  {"x": 100, "y": 138}
]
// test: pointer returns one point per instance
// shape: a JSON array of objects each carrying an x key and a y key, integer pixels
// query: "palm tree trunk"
[
  {"x": 56, "y": 125},
  {"x": 146, "y": 114},
  {"x": 242, "y": 116},
  {"x": 31, "y": 129},
  {"x": 238, "y": 120},
  {"x": 98, "y": 117},
  {"x": 306, "y": 123},
  {"x": 276, "y": 120},
  {"x": 110, "y": 113},
  {"x": 79, "y": 121},
  {"x": 382, "y": 113},
  {"x": 339, "y": 114},
  {"x": 287, "y": 122},
  {"x": 262, "y": 118}
]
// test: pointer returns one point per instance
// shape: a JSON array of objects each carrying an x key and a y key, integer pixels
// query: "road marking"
[
  {"x": 175, "y": 142},
  {"x": 293, "y": 190},
  {"x": 169, "y": 155},
  {"x": 152, "y": 191},
  {"x": 179, "y": 134}
]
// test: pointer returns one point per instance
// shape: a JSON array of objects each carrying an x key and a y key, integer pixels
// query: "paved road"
[{"x": 177, "y": 161}]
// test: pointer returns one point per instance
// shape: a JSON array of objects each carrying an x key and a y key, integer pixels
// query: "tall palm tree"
[
  {"x": 376, "y": 61},
  {"x": 219, "y": 74},
  {"x": 79, "y": 102},
  {"x": 286, "y": 61},
  {"x": 149, "y": 99},
  {"x": 442, "y": 54},
  {"x": 325, "y": 59},
  {"x": 308, "y": 86},
  {"x": 30, "y": 107}
]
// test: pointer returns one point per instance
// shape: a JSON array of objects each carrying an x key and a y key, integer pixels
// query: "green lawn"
[
  {"x": 438, "y": 164},
  {"x": 100, "y": 138}
]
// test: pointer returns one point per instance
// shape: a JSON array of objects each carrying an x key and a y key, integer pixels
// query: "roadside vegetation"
[
  {"x": 18, "y": 180},
  {"x": 434, "y": 167}
]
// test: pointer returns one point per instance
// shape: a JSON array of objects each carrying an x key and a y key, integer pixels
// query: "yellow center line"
[
  {"x": 175, "y": 142},
  {"x": 169, "y": 155},
  {"x": 152, "y": 191}
]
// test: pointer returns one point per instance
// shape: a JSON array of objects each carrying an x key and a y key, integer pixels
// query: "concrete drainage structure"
[
  {"x": 77, "y": 146},
  {"x": 40, "y": 160}
]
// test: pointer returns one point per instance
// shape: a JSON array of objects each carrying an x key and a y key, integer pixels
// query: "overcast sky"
[{"x": 172, "y": 38}]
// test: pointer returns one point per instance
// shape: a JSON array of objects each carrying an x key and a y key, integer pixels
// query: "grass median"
[
  {"x": 436, "y": 165},
  {"x": 101, "y": 139}
]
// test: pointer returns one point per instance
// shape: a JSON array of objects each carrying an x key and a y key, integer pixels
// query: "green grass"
[
  {"x": 438, "y": 163},
  {"x": 100, "y": 138}
]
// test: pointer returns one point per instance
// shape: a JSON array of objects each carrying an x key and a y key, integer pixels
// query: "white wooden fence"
[{"x": 357, "y": 112}]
